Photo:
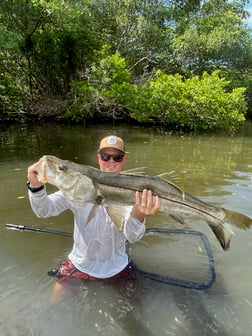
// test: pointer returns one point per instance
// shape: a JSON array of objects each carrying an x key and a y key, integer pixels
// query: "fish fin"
[
  {"x": 116, "y": 213},
  {"x": 176, "y": 179},
  {"x": 170, "y": 176},
  {"x": 223, "y": 233},
  {"x": 98, "y": 201},
  {"x": 134, "y": 171},
  {"x": 92, "y": 213},
  {"x": 178, "y": 219},
  {"x": 238, "y": 219}
]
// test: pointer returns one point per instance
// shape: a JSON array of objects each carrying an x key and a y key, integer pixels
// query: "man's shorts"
[{"x": 67, "y": 272}]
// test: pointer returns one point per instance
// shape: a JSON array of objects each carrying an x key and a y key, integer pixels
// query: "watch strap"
[{"x": 34, "y": 190}]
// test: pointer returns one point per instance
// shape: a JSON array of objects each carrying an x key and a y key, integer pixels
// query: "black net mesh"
[{"x": 176, "y": 257}]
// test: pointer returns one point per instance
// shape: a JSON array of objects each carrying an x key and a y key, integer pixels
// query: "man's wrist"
[
  {"x": 137, "y": 216},
  {"x": 34, "y": 189}
]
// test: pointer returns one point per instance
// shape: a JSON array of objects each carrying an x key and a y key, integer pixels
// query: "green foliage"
[
  {"x": 48, "y": 48},
  {"x": 10, "y": 96},
  {"x": 80, "y": 109},
  {"x": 53, "y": 38},
  {"x": 195, "y": 103},
  {"x": 109, "y": 69},
  {"x": 111, "y": 77},
  {"x": 106, "y": 90},
  {"x": 210, "y": 42}
]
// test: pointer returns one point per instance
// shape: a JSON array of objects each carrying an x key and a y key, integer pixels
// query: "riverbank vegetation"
[{"x": 182, "y": 64}]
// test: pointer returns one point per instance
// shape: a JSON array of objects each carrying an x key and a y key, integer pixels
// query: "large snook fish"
[{"x": 82, "y": 184}]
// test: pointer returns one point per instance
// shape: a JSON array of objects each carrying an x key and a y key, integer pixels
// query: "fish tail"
[
  {"x": 238, "y": 219},
  {"x": 223, "y": 233}
]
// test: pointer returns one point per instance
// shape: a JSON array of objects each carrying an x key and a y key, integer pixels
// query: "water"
[{"x": 215, "y": 168}]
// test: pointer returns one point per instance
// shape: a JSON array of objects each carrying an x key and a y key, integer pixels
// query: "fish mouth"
[
  {"x": 42, "y": 171},
  {"x": 45, "y": 174}
]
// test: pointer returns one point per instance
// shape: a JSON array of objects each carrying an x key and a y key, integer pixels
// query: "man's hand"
[
  {"x": 32, "y": 176},
  {"x": 145, "y": 205}
]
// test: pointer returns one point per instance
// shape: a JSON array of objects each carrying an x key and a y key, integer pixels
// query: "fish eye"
[{"x": 62, "y": 168}]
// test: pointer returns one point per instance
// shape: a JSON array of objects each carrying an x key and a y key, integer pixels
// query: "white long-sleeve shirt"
[{"x": 99, "y": 247}]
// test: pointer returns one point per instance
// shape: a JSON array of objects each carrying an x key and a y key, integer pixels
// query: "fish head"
[
  {"x": 56, "y": 172},
  {"x": 65, "y": 176}
]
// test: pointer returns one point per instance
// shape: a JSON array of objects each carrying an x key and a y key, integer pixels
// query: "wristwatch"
[{"x": 34, "y": 190}]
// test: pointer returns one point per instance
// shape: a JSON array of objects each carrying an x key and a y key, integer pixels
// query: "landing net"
[{"x": 175, "y": 257}]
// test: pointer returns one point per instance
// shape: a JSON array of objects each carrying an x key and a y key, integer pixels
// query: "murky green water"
[{"x": 216, "y": 169}]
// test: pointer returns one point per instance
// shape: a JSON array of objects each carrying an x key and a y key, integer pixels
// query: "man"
[{"x": 99, "y": 250}]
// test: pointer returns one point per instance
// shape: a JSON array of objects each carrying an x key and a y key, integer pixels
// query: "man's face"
[{"x": 110, "y": 164}]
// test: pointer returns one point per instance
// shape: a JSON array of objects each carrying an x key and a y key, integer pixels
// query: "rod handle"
[{"x": 15, "y": 227}]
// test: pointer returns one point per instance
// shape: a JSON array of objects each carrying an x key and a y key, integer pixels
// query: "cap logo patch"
[{"x": 112, "y": 141}]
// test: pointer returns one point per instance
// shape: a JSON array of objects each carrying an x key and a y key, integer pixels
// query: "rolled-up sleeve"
[
  {"x": 44, "y": 205},
  {"x": 134, "y": 230}
]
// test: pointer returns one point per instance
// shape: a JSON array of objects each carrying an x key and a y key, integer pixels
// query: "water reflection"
[{"x": 217, "y": 169}]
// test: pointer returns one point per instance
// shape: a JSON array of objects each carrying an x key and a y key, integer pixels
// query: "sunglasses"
[{"x": 116, "y": 157}]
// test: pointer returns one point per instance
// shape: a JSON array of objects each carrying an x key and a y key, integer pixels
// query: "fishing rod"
[{"x": 38, "y": 230}]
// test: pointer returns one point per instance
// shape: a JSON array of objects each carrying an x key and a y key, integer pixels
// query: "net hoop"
[{"x": 175, "y": 281}]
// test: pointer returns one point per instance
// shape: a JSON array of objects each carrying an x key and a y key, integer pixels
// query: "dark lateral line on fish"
[
  {"x": 170, "y": 200},
  {"x": 202, "y": 211}
]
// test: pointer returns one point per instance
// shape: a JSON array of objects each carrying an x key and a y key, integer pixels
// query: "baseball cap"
[{"x": 112, "y": 141}]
